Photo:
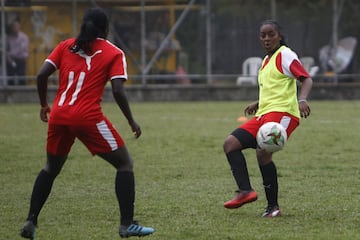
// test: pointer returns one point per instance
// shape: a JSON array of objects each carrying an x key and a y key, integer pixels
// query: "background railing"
[{"x": 197, "y": 41}]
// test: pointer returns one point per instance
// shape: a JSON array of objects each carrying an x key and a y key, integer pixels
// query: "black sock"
[
  {"x": 41, "y": 190},
  {"x": 125, "y": 192},
  {"x": 269, "y": 175},
  {"x": 239, "y": 170}
]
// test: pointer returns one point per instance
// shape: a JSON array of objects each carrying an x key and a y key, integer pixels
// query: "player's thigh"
[
  {"x": 288, "y": 121},
  {"x": 100, "y": 137},
  {"x": 242, "y": 137},
  {"x": 59, "y": 140},
  {"x": 239, "y": 139}
]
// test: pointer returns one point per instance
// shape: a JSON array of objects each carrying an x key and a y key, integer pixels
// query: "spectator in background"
[{"x": 17, "y": 53}]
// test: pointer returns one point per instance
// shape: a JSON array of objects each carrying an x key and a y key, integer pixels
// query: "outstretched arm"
[{"x": 121, "y": 100}]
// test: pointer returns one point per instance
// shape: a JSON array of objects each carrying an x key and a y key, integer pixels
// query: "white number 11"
[{"x": 77, "y": 90}]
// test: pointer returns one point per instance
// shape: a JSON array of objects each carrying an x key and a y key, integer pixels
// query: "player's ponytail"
[{"x": 95, "y": 24}]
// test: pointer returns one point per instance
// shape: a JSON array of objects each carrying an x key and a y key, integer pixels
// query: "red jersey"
[{"x": 82, "y": 79}]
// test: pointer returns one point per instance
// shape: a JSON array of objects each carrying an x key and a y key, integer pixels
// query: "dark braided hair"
[
  {"x": 95, "y": 24},
  {"x": 278, "y": 28}
]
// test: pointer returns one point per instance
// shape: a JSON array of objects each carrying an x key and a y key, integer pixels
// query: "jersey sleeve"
[
  {"x": 119, "y": 67},
  {"x": 55, "y": 56},
  {"x": 291, "y": 65}
]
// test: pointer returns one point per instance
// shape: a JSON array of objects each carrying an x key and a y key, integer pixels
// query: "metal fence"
[{"x": 189, "y": 42}]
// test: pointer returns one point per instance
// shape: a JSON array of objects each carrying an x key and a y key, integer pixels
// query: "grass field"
[{"x": 183, "y": 178}]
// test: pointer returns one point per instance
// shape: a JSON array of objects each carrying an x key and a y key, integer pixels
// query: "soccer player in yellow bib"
[{"x": 279, "y": 102}]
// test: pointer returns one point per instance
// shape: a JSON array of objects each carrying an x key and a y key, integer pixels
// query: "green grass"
[{"x": 183, "y": 178}]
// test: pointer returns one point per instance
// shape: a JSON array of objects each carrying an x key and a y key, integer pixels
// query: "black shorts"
[{"x": 246, "y": 139}]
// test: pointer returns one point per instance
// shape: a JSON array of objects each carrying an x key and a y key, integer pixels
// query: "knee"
[
  {"x": 231, "y": 144},
  {"x": 125, "y": 166},
  {"x": 51, "y": 170},
  {"x": 120, "y": 159},
  {"x": 226, "y": 145},
  {"x": 54, "y": 164},
  {"x": 263, "y": 157}
]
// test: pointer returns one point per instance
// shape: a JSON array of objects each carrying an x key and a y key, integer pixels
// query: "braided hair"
[
  {"x": 278, "y": 28},
  {"x": 95, "y": 24}
]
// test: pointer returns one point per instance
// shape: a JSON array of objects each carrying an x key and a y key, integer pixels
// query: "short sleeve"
[
  {"x": 119, "y": 68},
  {"x": 291, "y": 64},
  {"x": 55, "y": 56}
]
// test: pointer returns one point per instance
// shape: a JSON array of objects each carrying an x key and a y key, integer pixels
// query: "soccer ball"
[{"x": 271, "y": 137}]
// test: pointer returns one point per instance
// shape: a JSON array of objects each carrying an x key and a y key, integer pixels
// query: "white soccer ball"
[{"x": 271, "y": 137}]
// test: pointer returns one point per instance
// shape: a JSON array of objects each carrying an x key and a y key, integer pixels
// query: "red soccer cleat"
[{"x": 241, "y": 199}]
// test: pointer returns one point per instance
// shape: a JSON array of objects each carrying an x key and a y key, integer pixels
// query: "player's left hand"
[
  {"x": 304, "y": 109},
  {"x": 44, "y": 111},
  {"x": 135, "y": 128}
]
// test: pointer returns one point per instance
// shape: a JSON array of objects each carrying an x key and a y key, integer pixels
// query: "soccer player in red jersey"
[
  {"x": 278, "y": 102},
  {"x": 86, "y": 64}
]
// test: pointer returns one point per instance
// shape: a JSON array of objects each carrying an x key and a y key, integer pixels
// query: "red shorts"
[
  {"x": 288, "y": 121},
  {"x": 100, "y": 137}
]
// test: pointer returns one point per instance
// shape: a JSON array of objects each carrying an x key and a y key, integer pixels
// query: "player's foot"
[
  {"x": 241, "y": 198},
  {"x": 272, "y": 211},
  {"x": 28, "y": 230},
  {"x": 135, "y": 230}
]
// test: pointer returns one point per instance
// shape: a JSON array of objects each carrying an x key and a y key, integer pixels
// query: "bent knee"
[
  {"x": 125, "y": 167},
  {"x": 263, "y": 157},
  {"x": 231, "y": 143}
]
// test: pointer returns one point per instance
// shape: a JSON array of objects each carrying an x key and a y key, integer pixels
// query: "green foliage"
[{"x": 183, "y": 178}]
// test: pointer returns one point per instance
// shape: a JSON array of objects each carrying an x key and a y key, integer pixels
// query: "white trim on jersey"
[
  {"x": 51, "y": 62},
  {"x": 287, "y": 57},
  {"x": 123, "y": 56},
  {"x": 119, "y": 76}
]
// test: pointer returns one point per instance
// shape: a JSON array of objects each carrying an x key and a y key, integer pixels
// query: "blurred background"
[{"x": 193, "y": 41}]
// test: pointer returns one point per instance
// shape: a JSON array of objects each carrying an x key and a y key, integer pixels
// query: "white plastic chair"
[
  {"x": 250, "y": 69},
  {"x": 308, "y": 63}
]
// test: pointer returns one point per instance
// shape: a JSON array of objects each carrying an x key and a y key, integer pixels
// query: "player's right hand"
[
  {"x": 251, "y": 109},
  {"x": 44, "y": 111}
]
